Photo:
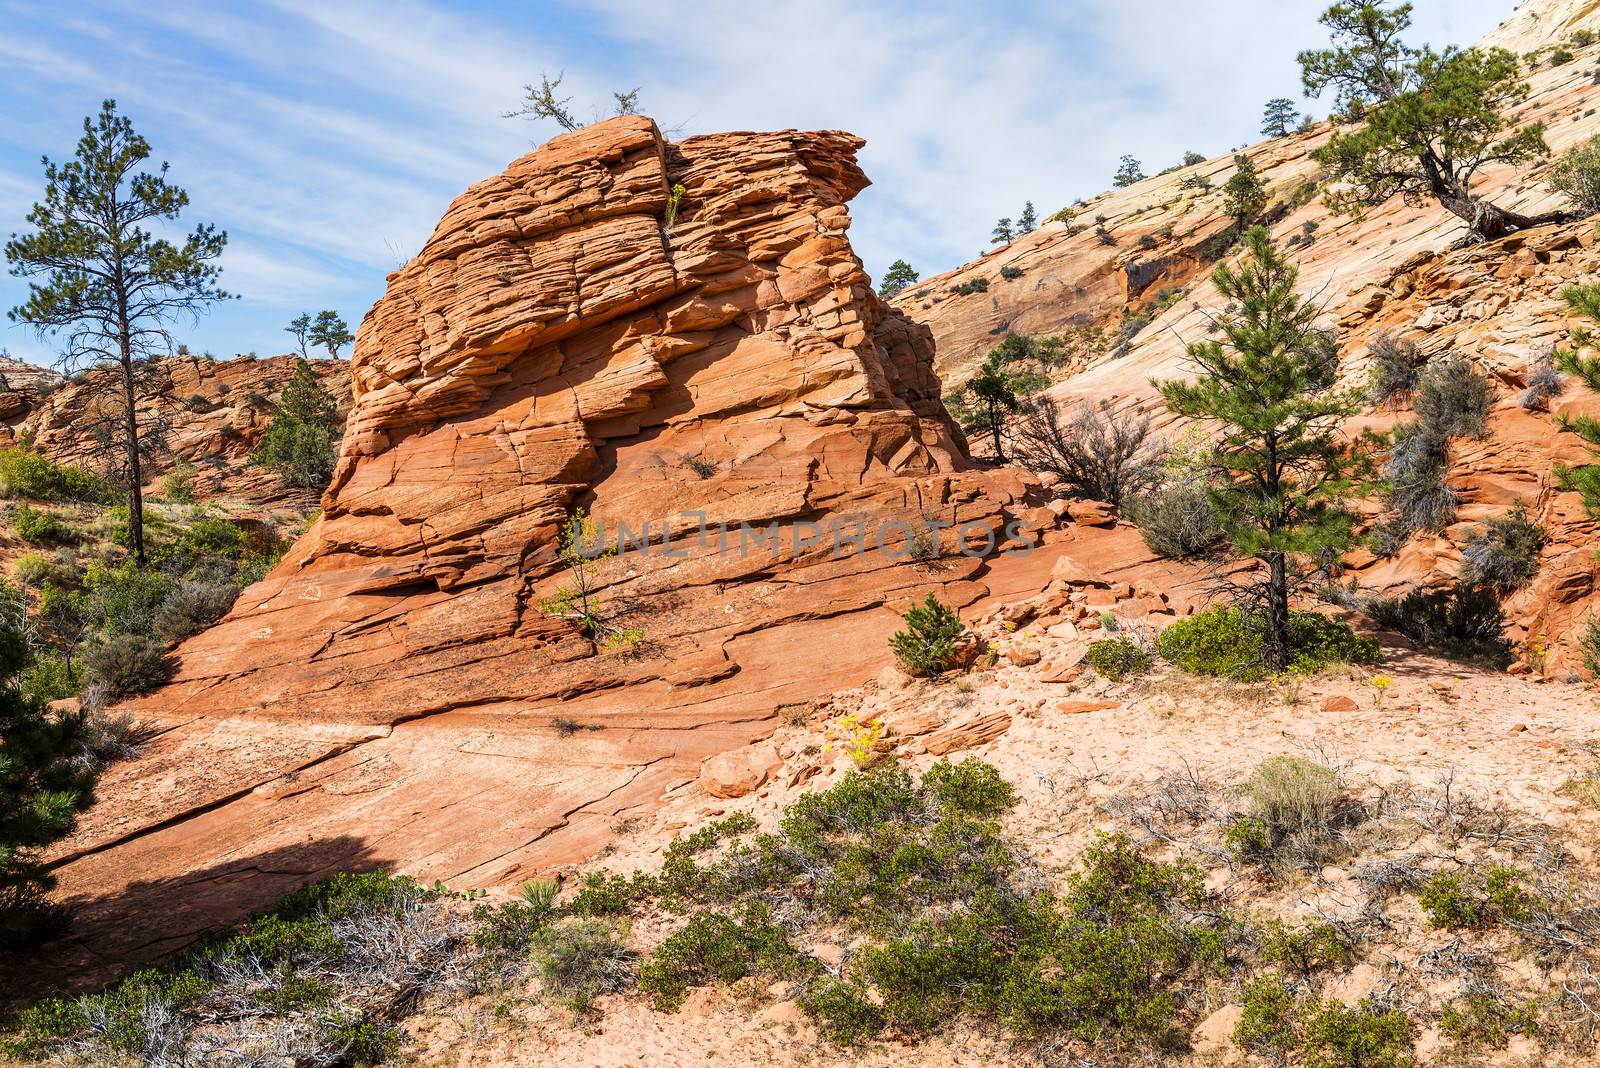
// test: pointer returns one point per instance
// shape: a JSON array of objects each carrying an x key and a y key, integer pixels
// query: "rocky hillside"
[
  {"x": 209, "y": 412},
  {"x": 575, "y": 333},
  {"x": 1398, "y": 270}
]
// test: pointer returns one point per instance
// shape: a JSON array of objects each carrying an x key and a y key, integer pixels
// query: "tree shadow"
[{"x": 144, "y": 922}]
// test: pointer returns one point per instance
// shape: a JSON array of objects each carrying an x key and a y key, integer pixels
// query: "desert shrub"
[
  {"x": 1482, "y": 899},
  {"x": 125, "y": 665},
  {"x": 111, "y": 736},
  {"x": 1011, "y": 274},
  {"x": 24, "y": 473},
  {"x": 1225, "y": 641},
  {"x": 314, "y": 979},
  {"x": 192, "y": 606},
  {"x": 39, "y": 527},
  {"x": 121, "y": 599},
  {"x": 1095, "y": 451},
  {"x": 1395, "y": 370},
  {"x": 1464, "y": 622},
  {"x": 1576, "y": 176},
  {"x": 178, "y": 483},
  {"x": 714, "y": 948},
  {"x": 1505, "y": 556},
  {"x": 1321, "y": 1034},
  {"x": 1119, "y": 658},
  {"x": 1416, "y": 492},
  {"x": 1296, "y": 808},
  {"x": 1177, "y": 519},
  {"x": 581, "y": 960},
  {"x": 1452, "y": 400},
  {"x": 974, "y": 285},
  {"x": 1483, "y": 1018},
  {"x": 32, "y": 569},
  {"x": 1306, "y": 949},
  {"x": 1545, "y": 383},
  {"x": 928, "y": 644},
  {"x": 1560, "y": 56},
  {"x": 51, "y": 676}
]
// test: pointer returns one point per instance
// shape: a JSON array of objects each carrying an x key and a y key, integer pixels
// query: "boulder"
[{"x": 740, "y": 771}]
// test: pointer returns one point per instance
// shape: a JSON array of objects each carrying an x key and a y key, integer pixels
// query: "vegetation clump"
[
  {"x": 1119, "y": 658},
  {"x": 1464, "y": 622},
  {"x": 929, "y": 644},
  {"x": 1230, "y": 642},
  {"x": 299, "y": 442}
]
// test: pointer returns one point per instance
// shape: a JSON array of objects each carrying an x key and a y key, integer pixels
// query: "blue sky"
[{"x": 328, "y": 137}]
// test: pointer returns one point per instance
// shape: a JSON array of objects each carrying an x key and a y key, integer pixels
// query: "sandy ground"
[{"x": 1441, "y": 730}]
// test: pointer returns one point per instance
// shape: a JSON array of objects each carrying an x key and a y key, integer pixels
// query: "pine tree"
[
  {"x": 300, "y": 327},
  {"x": 108, "y": 285},
  {"x": 1002, "y": 234},
  {"x": 1431, "y": 121},
  {"x": 1280, "y": 473},
  {"x": 1129, "y": 170},
  {"x": 1244, "y": 195},
  {"x": 991, "y": 398},
  {"x": 899, "y": 275},
  {"x": 299, "y": 441},
  {"x": 1585, "y": 480},
  {"x": 44, "y": 784},
  {"x": 1279, "y": 116},
  {"x": 1028, "y": 221},
  {"x": 330, "y": 331}
]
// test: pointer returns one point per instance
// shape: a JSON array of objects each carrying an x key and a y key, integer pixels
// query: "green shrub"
[
  {"x": 1305, "y": 949},
  {"x": 39, "y": 527},
  {"x": 1228, "y": 642},
  {"x": 32, "y": 569},
  {"x": 125, "y": 665},
  {"x": 178, "y": 483},
  {"x": 1323, "y": 1034},
  {"x": 24, "y": 473},
  {"x": 122, "y": 599},
  {"x": 714, "y": 948},
  {"x": 1484, "y": 1019},
  {"x": 1463, "y": 622},
  {"x": 1119, "y": 658},
  {"x": 1504, "y": 557},
  {"x": 928, "y": 644},
  {"x": 1494, "y": 896},
  {"x": 581, "y": 960},
  {"x": 51, "y": 677},
  {"x": 1177, "y": 520}
]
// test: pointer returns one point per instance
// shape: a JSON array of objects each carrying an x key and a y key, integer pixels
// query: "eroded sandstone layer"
[{"x": 574, "y": 334}]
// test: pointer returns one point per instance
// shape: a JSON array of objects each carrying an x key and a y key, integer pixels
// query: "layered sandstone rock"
[
  {"x": 208, "y": 412},
  {"x": 394, "y": 693}
]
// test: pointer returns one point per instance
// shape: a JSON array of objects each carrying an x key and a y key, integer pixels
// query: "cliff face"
[
  {"x": 574, "y": 334},
  {"x": 1398, "y": 269}
]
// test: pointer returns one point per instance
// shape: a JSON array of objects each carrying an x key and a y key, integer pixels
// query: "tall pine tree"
[
  {"x": 1281, "y": 471},
  {"x": 104, "y": 283}
]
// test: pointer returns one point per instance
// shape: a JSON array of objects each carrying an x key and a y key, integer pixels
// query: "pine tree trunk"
[
  {"x": 1277, "y": 611},
  {"x": 994, "y": 427},
  {"x": 131, "y": 440},
  {"x": 1488, "y": 222}
]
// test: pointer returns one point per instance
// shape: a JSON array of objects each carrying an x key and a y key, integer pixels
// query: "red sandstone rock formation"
[
  {"x": 210, "y": 412},
  {"x": 391, "y": 692}
]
